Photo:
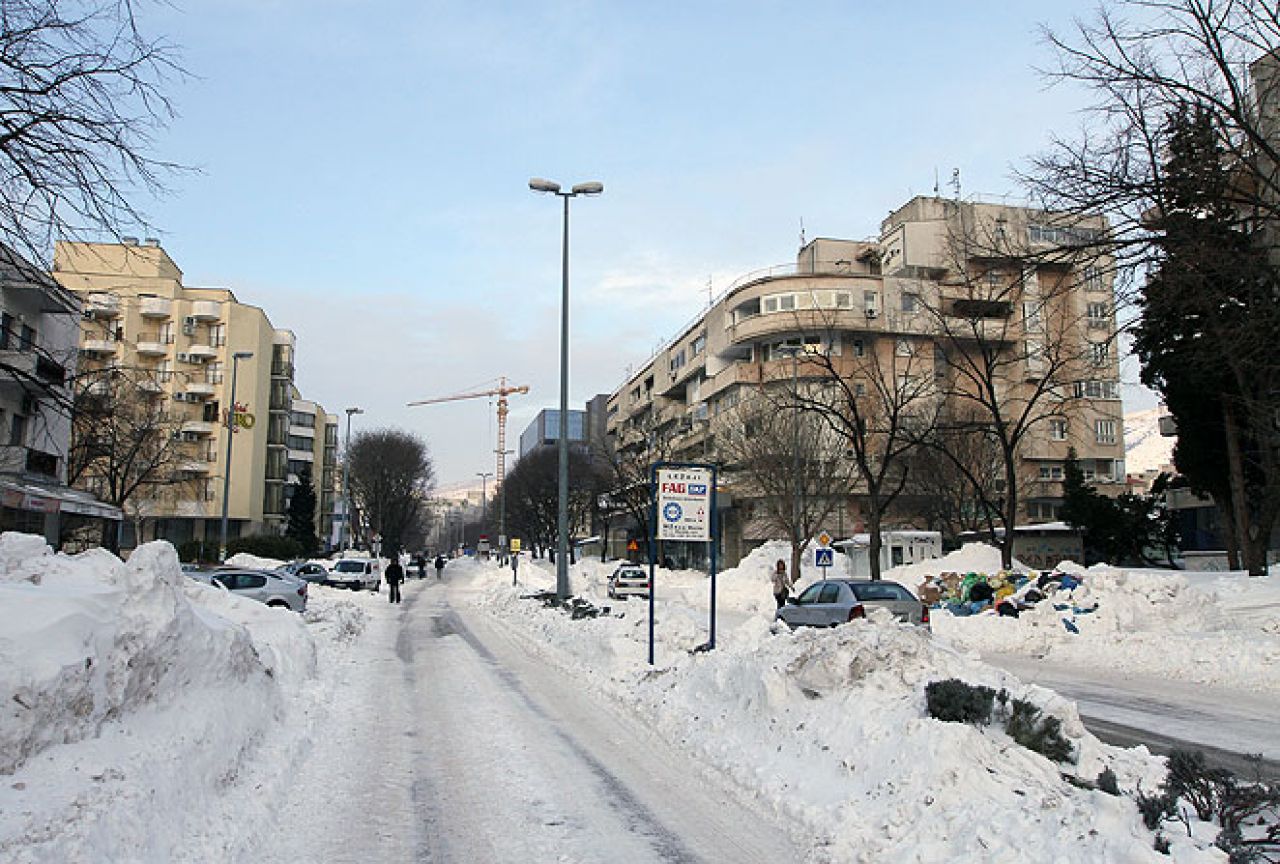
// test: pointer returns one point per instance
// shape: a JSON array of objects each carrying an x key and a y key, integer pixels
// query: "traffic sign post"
[
  {"x": 683, "y": 496},
  {"x": 824, "y": 557}
]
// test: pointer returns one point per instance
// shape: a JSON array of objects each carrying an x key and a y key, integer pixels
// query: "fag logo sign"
[{"x": 684, "y": 504}]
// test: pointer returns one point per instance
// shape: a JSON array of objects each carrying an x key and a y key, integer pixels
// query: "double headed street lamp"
[
  {"x": 226, "y": 468},
  {"x": 562, "y": 520},
  {"x": 346, "y": 482}
]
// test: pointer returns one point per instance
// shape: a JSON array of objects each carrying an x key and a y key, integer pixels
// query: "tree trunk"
[
  {"x": 875, "y": 543},
  {"x": 1235, "y": 478}
]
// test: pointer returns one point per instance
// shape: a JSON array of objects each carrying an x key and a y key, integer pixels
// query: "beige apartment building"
[
  {"x": 182, "y": 342},
  {"x": 944, "y": 278}
]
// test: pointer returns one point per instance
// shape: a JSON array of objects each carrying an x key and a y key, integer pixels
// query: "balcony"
[
  {"x": 301, "y": 456},
  {"x": 195, "y": 466},
  {"x": 156, "y": 307},
  {"x": 199, "y": 427},
  {"x": 201, "y": 388},
  {"x": 206, "y": 310},
  {"x": 281, "y": 369},
  {"x": 102, "y": 305},
  {"x": 151, "y": 346},
  {"x": 26, "y": 365},
  {"x": 150, "y": 385},
  {"x": 99, "y": 346},
  {"x": 203, "y": 352}
]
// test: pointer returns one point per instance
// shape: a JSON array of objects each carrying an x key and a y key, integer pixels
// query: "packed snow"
[{"x": 154, "y": 718}]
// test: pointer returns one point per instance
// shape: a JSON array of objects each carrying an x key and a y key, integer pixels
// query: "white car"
[
  {"x": 356, "y": 573},
  {"x": 629, "y": 580}
]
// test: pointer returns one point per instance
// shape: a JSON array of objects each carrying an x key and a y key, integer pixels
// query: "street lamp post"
[
  {"x": 562, "y": 516},
  {"x": 503, "y": 542},
  {"x": 484, "y": 501},
  {"x": 346, "y": 482},
  {"x": 226, "y": 468}
]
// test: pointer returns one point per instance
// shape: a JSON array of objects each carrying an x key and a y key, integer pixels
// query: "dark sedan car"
[{"x": 837, "y": 601}]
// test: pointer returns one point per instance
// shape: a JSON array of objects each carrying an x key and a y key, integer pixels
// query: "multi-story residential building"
[
  {"x": 39, "y": 334},
  {"x": 945, "y": 279},
  {"x": 184, "y": 342},
  {"x": 312, "y": 447}
]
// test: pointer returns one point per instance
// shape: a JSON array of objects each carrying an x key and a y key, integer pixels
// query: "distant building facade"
[{"x": 138, "y": 315}]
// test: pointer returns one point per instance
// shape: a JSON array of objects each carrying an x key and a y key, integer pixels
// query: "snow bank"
[
  {"x": 253, "y": 562},
  {"x": 829, "y": 729},
  {"x": 140, "y": 699},
  {"x": 1224, "y": 632}
]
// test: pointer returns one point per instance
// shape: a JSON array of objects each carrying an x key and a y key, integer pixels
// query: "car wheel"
[{"x": 278, "y": 603}]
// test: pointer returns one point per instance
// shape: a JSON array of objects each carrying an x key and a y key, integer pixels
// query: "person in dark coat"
[
  {"x": 439, "y": 566},
  {"x": 394, "y": 576}
]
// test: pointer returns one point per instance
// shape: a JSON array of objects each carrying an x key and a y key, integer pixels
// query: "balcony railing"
[{"x": 155, "y": 307}]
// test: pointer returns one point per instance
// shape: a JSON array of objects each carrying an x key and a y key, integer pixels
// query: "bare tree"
[
  {"x": 126, "y": 446},
  {"x": 533, "y": 494},
  {"x": 953, "y": 474},
  {"x": 391, "y": 478},
  {"x": 1011, "y": 345},
  {"x": 626, "y": 463},
  {"x": 789, "y": 461},
  {"x": 875, "y": 397},
  {"x": 1148, "y": 63},
  {"x": 81, "y": 97}
]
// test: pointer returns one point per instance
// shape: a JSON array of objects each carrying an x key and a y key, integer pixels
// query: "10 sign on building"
[{"x": 684, "y": 504}]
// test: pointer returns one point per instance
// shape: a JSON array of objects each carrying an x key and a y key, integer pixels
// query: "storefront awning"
[{"x": 42, "y": 498}]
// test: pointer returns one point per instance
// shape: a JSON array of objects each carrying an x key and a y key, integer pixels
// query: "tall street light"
[
  {"x": 484, "y": 500},
  {"x": 226, "y": 468},
  {"x": 346, "y": 482},
  {"x": 562, "y": 520}
]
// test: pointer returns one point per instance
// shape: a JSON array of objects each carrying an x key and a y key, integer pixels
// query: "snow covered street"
[{"x": 446, "y": 744}]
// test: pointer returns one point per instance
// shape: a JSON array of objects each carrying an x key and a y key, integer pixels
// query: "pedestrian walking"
[
  {"x": 394, "y": 576},
  {"x": 781, "y": 584},
  {"x": 421, "y": 562},
  {"x": 439, "y": 566}
]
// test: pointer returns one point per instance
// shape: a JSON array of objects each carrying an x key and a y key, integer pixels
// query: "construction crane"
[{"x": 502, "y": 391}]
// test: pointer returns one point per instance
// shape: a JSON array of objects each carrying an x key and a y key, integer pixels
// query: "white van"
[{"x": 356, "y": 573}]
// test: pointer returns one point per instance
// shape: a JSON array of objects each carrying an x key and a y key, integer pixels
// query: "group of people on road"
[{"x": 395, "y": 573}]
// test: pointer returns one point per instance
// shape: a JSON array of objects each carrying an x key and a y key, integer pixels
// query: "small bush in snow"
[
  {"x": 1155, "y": 808},
  {"x": 1194, "y": 782},
  {"x": 957, "y": 702},
  {"x": 1034, "y": 730},
  {"x": 1107, "y": 782}
]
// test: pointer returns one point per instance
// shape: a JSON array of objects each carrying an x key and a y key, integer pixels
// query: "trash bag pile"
[{"x": 1007, "y": 593}]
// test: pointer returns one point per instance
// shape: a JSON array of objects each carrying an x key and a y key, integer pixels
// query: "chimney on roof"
[
  {"x": 152, "y": 241},
  {"x": 129, "y": 241}
]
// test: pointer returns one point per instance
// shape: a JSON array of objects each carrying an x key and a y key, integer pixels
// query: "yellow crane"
[{"x": 502, "y": 391}]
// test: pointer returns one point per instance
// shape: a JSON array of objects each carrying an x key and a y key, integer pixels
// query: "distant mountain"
[{"x": 1145, "y": 448}]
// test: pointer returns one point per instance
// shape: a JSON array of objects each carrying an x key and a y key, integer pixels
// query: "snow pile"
[
  {"x": 253, "y": 562},
  {"x": 137, "y": 698},
  {"x": 829, "y": 729},
  {"x": 1147, "y": 622},
  {"x": 969, "y": 558}
]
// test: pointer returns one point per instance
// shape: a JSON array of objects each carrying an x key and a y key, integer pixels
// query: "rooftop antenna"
[
  {"x": 955, "y": 182},
  {"x": 935, "y": 181},
  {"x": 708, "y": 292},
  {"x": 801, "y": 232}
]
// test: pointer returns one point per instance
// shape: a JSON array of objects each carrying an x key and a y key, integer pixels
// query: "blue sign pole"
[
  {"x": 711, "y": 641},
  {"x": 653, "y": 541}
]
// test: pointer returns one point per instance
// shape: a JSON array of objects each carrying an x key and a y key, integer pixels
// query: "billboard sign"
[{"x": 684, "y": 504}]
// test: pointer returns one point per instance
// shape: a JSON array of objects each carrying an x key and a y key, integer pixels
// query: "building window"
[
  {"x": 17, "y": 430},
  {"x": 213, "y": 372},
  {"x": 871, "y": 303},
  {"x": 859, "y": 348},
  {"x": 1092, "y": 279},
  {"x": 1050, "y": 472},
  {"x": 699, "y": 344},
  {"x": 1105, "y": 431},
  {"x": 910, "y": 302},
  {"x": 859, "y": 389},
  {"x": 1099, "y": 353},
  {"x": 217, "y": 335},
  {"x": 843, "y": 300},
  {"x": 905, "y": 348},
  {"x": 28, "y": 339},
  {"x": 1058, "y": 430},
  {"x": 1061, "y": 236},
  {"x": 1097, "y": 390},
  {"x": 1098, "y": 314}
]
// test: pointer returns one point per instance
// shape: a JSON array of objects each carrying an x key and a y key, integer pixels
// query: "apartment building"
[
  {"x": 944, "y": 279},
  {"x": 190, "y": 347},
  {"x": 38, "y": 340}
]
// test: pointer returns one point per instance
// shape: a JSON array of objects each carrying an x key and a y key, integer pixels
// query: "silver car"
[
  {"x": 265, "y": 586},
  {"x": 837, "y": 601}
]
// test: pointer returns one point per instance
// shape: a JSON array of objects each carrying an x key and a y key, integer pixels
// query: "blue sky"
[{"x": 363, "y": 169}]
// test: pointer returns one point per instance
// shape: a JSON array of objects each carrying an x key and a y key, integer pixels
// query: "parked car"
[
  {"x": 837, "y": 601},
  {"x": 629, "y": 580},
  {"x": 265, "y": 586},
  {"x": 356, "y": 573},
  {"x": 309, "y": 571}
]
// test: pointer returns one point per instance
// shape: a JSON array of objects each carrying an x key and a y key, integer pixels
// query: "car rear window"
[
  {"x": 350, "y": 567},
  {"x": 879, "y": 591}
]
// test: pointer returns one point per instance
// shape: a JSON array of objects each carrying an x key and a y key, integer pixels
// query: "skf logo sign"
[{"x": 697, "y": 488}]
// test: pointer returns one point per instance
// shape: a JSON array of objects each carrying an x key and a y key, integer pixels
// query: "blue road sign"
[{"x": 824, "y": 556}]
